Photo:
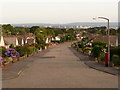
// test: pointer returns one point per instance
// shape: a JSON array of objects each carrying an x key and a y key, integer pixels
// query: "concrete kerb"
[{"x": 99, "y": 69}]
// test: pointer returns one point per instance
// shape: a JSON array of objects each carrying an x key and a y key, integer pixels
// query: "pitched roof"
[
  {"x": 30, "y": 41},
  {"x": 10, "y": 40},
  {"x": 20, "y": 40},
  {"x": 113, "y": 39}
]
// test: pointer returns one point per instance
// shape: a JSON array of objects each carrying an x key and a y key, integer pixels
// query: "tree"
[
  {"x": 33, "y": 29},
  {"x": 113, "y": 31},
  {"x": 98, "y": 47},
  {"x": 40, "y": 39},
  {"x": 7, "y": 29}
]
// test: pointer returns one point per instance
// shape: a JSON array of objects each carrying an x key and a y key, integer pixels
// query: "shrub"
[
  {"x": 101, "y": 57},
  {"x": 11, "y": 53},
  {"x": 2, "y": 51},
  {"x": 8, "y": 59},
  {"x": 1, "y": 60},
  {"x": 31, "y": 49},
  {"x": 22, "y": 50},
  {"x": 25, "y": 50},
  {"x": 87, "y": 50},
  {"x": 96, "y": 51},
  {"x": 54, "y": 41},
  {"x": 100, "y": 43},
  {"x": 114, "y": 51},
  {"x": 116, "y": 60},
  {"x": 80, "y": 44}
]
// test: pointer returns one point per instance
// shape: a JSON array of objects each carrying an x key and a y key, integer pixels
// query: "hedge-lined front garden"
[
  {"x": 97, "y": 50},
  {"x": 14, "y": 54}
]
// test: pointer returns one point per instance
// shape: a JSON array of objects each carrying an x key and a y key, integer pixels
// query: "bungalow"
[
  {"x": 58, "y": 37},
  {"x": 21, "y": 41},
  {"x": 79, "y": 36},
  {"x": 11, "y": 40},
  {"x": 16, "y": 41},
  {"x": 113, "y": 39},
  {"x": 2, "y": 43},
  {"x": 29, "y": 40},
  {"x": 48, "y": 39}
]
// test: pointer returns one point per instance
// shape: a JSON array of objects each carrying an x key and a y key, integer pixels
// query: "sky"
[{"x": 57, "y": 11}]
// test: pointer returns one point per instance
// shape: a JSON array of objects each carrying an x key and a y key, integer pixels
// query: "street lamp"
[{"x": 108, "y": 33}]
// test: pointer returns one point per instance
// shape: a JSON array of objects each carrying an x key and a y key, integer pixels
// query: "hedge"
[
  {"x": 25, "y": 50},
  {"x": 114, "y": 51}
]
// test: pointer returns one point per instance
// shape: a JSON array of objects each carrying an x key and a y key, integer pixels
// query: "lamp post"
[{"x": 108, "y": 33}]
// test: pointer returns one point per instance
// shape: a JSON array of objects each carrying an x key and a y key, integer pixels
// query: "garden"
[
  {"x": 97, "y": 49},
  {"x": 14, "y": 54}
]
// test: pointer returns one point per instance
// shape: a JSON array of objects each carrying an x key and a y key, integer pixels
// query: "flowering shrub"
[
  {"x": 8, "y": 59},
  {"x": 11, "y": 53},
  {"x": 1, "y": 60}
]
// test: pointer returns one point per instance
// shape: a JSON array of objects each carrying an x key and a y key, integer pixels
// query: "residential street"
[{"x": 60, "y": 68}]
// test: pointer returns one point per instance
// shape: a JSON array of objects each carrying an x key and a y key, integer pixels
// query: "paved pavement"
[
  {"x": 60, "y": 68},
  {"x": 94, "y": 64}
]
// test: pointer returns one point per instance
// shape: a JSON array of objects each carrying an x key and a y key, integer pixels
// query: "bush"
[
  {"x": 81, "y": 44},
  {"x": 11, "y": 53},
  {"x": 22, "y": 50},
  {"x": 31, "y": 49},
  {"x": 101, "y": 57},
  {"x": 87, "y": 50},
  {"x": 96, "y": 51},
  {"x": 100, "y": 43},
  {"x": 114, "y": 51},
  {"x": 54, "y": 41},
  {"x": 2, "y": 51},
  {"x": 116, "y": 60},
  {"x": 25, "y": 50},
  {"x": 8, "y": 59}
]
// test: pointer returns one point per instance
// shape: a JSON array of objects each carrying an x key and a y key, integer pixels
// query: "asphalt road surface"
[{"x": 60, "y": 68}]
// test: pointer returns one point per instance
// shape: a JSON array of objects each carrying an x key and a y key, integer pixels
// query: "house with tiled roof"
[
  {"x": 2, "y": 43},
  {"x": 11, "y": 40},
  {"x": 48, "y": 39},
  {"x": 113, "y": 39},
  {"x": 58, "y": 37},
  {"x": 16, "y": 41},
  {"x": 21, "y": 41}
]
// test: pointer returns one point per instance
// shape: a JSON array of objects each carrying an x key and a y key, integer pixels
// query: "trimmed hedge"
[
  {"x": 116, "y": 60},
  {"x": 56, "y": 41},
  {"x": 114, "y": 51}
]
